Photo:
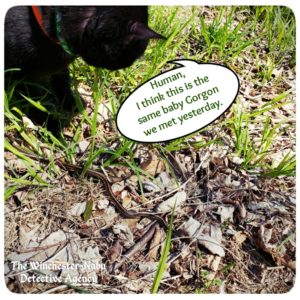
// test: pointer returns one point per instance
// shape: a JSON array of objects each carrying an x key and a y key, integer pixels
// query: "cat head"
[{"x": 113, "y": 37}]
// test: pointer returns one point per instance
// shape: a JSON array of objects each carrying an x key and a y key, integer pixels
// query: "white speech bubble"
[{"x": 178, "y": 102}]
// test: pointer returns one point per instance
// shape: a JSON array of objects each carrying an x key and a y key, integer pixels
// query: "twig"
[
  {"x": 55, "y": 289},
  {"x": 38, "y": 248}
]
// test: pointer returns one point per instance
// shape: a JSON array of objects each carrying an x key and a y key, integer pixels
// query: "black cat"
[{"x": 43, "y": 41}]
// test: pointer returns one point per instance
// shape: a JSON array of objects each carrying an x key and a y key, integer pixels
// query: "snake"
[{"x": 125, "y": 213}]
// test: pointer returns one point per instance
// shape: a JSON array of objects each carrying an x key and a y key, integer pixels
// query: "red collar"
[{"x": 37, "y": 11}]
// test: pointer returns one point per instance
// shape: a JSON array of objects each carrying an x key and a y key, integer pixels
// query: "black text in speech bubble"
[{"x": 178, "y": 102}]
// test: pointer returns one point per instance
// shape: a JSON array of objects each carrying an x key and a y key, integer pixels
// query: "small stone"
[{"x": 83, "y": 146}]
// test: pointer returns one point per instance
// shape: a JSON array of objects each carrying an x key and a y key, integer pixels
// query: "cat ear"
[{"x": 143, "y": 32}]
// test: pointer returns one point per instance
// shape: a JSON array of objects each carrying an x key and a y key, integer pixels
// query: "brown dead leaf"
[
  {"x": 263, "y": 242},
  {"x": 177, "y": 267},
  {"x": 115, "y": 251},
  {"x": 126, "y": 198},
  {"x": 155, "y": 244},
  {"x": 156, "y": 166},
  {"x": 240, "y": 237},
  {"x": 132, "y": 223}
]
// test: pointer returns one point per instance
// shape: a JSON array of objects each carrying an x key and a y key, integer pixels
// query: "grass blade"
[
  {"x": 88, "y": 210},
  {"x": 162, "y": 265}
]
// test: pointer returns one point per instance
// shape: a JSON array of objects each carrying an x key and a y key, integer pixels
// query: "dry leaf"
[
  {"x": 240, "y": 237},
  {"x": 115, "y": 251},
  {"x": 211, "y": 240},
  {"x": 155, "y": 244},
  {"x": 178, "y": 199},
  {"x": 124, "y": 234}
]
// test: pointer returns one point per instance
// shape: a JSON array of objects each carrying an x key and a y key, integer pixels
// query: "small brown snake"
[{"x": 127, "y": 214}]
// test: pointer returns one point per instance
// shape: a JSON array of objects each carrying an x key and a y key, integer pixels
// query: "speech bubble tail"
[{"x": 183, "y": 62}]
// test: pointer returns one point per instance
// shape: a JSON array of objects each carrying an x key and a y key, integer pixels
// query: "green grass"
[
  {"x": 255, "y": 153},
  {"x": 265, "y": 35},
  {"x": 162, "y": 264},
  {"x": 208, "y": 283},
  {"x": 223, "y": 38},
  {"x": 253, "y": 41}
]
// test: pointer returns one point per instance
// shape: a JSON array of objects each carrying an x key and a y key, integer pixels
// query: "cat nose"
[{"x": 142, "y": 31}]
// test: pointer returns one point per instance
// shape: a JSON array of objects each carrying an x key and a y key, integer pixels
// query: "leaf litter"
[{"x": 238, "y": 228}]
